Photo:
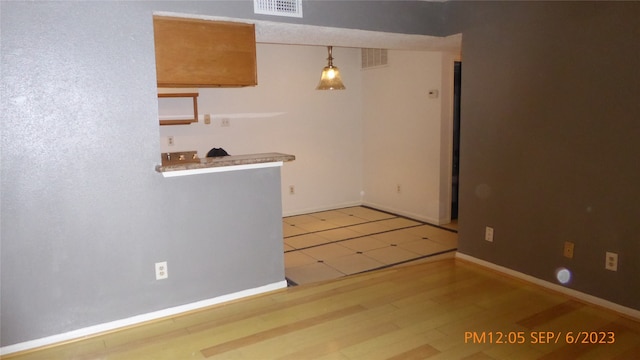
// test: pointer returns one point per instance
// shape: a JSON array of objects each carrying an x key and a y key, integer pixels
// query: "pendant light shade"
[{"x": 330, "y": 78}]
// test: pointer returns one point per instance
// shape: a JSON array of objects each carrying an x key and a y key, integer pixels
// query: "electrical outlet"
[
  {"x": 162, "y": 272},
  {"x": 611, "y": 262},
  {"x": 225, "y": 122},
  {"x": 488, "y": 233},
  {"x": 292, "y": 190},
  {"x": 398, "y": 188},
  {"x": 207, "y": 119},
  {"x": 170, "y": 141},
  {"x": 568, "y": 249}
]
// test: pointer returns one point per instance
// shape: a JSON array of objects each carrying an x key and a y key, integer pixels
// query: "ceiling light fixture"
[{"x": 330, "y": 78}]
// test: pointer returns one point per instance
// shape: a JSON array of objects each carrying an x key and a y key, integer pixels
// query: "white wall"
[
  {"x": 407, "y": 135},
  {"x": 381, "y": 131},
  {"x": 285, "y": 113}
]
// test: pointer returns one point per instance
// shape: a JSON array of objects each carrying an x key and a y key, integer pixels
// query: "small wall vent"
[
  {"x": 292, "y": 8},
  {"x": 374, "y": 58}
]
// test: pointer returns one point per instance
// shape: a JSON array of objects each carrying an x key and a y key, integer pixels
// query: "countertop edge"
[{"x": 231, "y": 163}]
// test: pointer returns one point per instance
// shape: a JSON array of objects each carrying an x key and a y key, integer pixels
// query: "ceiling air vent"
[
  {"x": 292, "y": 8},
  {"x": 374, "y": 58}
]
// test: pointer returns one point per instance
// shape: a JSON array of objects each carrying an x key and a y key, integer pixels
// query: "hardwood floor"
[{"x": 447, "y": 309}]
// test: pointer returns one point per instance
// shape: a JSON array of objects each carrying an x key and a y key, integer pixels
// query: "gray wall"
[
  {"x": 408, "y": 17},
  {"x": 84, "y": 215},
  {"x": 549, "y": 139},
  {"x": 549, "y": 145}
]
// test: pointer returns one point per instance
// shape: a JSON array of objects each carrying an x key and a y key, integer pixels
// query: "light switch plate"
[{"x": 488, "y": 233}]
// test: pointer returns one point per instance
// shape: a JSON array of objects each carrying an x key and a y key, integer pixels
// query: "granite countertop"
[{"x": 231, "y": 160}]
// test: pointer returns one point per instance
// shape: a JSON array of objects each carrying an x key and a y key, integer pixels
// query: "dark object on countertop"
[{"x": 217, "y": 152}]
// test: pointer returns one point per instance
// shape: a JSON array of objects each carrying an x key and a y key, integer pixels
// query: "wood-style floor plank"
[
  {"x": 280, "y": 330},
  {"x": 420, "y": 311}
]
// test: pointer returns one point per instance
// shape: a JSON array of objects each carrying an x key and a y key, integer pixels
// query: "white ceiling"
[
  {"x": 272, "y": 32},
  {"x": 298, "y": 34}
]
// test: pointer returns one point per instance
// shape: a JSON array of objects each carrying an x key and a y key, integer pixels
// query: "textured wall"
[
  {"x": 84, "y": 215},
  {"x": 407, "y": 17},
  {"x": 549, "y": 139}
]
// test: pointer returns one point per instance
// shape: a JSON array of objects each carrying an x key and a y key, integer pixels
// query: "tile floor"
[{"x": 331, "y": 244}]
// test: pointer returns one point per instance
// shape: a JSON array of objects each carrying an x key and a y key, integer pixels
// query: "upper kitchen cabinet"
[{"x": 202, "y": 53}]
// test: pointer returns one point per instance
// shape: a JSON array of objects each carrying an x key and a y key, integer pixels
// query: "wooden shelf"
[
  {"x": 181, "y": 95},
  {"x": 164, "y": 94}
]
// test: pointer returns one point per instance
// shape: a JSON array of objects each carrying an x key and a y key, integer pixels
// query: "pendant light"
[{"x": 330, "y": 78}]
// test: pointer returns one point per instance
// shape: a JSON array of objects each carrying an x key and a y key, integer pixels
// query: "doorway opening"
[{"x": 455, "y": 168}]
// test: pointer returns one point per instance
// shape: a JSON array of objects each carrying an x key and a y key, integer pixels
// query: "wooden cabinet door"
[{"x": 202, "y": 53}]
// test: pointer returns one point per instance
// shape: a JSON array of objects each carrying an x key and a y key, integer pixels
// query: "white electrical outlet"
[
  {"x": 225, "y": 122},
  {"x": 611, "y": 261},
  {"x": 398, "y": 188},
  {"x": 488, "y": 233},
  {"x": 162, "y": 272},
  {"x": 292, "y": 190},
  {"x": 170, "y": 141},
  {"x": 207, "y": 119}
]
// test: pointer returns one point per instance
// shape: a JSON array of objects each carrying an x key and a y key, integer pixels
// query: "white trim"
[
  {"x": 375, "y": 206},
  {"x": 408, "y": 214},
  {"x": 138, "y": 319},
  {"x": 274, "y": 32},
  {"x": 223, "y": 116},
  {"x": 216, "y": 169},
  {"x": 633, "y": 313},
  {"x": 321, "y": 208}
]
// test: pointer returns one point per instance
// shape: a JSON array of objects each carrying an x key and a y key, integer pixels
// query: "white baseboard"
[
  {"x": 138, "y": 319},
  {"x": 623, "y": 310},
  {"x": 408, "y": 214},
  {"x": 318, "y": 209}
]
